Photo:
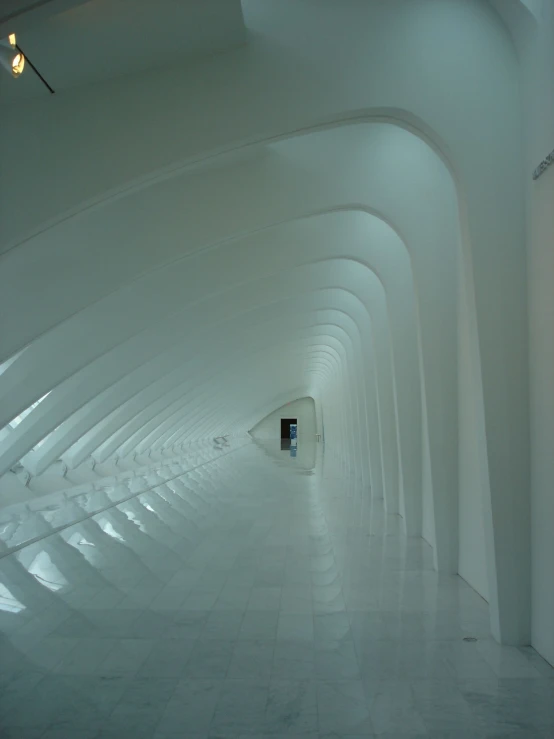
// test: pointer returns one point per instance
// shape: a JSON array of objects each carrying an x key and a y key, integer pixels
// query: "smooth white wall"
[
  {"x": 537, "y": 57},
  {"x": 303, "y": 409},
  {"x": 428, "y": 524},
  {"x": 472, "y": 553}
]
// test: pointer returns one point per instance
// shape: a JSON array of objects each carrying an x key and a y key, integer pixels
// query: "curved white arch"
[{"x": 441, "y": 193}]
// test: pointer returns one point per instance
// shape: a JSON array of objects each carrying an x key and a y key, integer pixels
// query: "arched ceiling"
[
  {"x": 323, "y": 208},
  {"x": 176, "y": 286},
  {"x": 141, "y": 346}
]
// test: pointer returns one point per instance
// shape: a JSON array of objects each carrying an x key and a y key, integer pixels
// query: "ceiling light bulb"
[
  {"x": 13, "y": 60},
  {"x": 18, "y": 64},
  {"x": 11, "y": 40}
]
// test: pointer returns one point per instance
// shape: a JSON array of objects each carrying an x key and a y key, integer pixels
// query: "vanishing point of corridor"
[{"x": 258, "y": 595}]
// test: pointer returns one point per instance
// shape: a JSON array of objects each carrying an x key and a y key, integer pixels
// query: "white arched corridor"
[{"x": 304, "y": 208}]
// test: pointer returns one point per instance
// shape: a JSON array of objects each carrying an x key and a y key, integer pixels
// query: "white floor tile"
[{"x": 252, "y": 601}]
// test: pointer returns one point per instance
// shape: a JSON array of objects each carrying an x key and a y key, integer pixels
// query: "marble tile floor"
[{"x": 253, "y": 599}]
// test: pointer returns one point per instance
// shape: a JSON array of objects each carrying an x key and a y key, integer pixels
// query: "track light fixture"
[{"x": 11, "y": 57}]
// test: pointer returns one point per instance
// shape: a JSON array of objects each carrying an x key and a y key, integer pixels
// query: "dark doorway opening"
[
  {"x": 285, "y": 427},
  {"x": 286, "y": 423}
]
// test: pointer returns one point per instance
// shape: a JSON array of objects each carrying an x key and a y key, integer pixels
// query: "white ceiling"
[
  {"x": 18, "y": 15},
  {"x": 102, "y": 39}
]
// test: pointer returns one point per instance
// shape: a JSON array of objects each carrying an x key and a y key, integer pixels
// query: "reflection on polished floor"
[{"x": 254, "y": 596}]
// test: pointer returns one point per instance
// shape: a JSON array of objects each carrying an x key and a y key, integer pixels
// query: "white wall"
[
  {"x": 537, "y": 55},
  {"x": 472, "y": 553},
  {"x": 303, "y": 409},
  {"x": 428, "y": 525}
]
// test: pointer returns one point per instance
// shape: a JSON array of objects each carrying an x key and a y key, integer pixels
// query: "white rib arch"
[{"x": 137, "y": 255}]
